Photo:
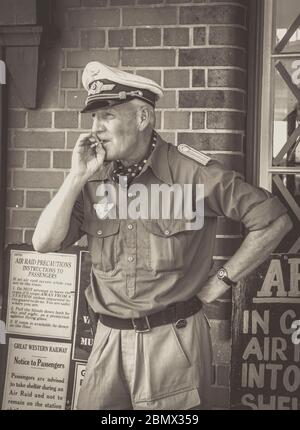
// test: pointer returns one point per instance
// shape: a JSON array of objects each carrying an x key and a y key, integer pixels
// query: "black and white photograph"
[{"x": 150, "y": 208}]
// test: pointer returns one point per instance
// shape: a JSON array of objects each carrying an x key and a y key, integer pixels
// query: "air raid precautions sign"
[
  {"x": 48, "y": 336},
  {"x": 266, "y": 337}
]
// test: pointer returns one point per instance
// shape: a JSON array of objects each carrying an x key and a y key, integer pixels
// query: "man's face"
[{"x": 117, "y": 127}]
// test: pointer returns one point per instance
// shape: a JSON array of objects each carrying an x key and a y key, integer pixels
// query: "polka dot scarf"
[{"x": 132, "y": 171}]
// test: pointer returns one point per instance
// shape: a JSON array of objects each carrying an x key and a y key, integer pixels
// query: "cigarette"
[{"x": 93, "y": 145}]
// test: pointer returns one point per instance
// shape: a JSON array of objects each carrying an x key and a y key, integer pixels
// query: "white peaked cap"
[{"x": 105, "y": 84}]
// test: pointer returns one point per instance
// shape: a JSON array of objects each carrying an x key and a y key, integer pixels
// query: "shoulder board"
[{"x": 194, "y": 154}]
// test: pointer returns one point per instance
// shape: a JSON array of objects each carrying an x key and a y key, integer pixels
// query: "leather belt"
[{"x": 176, "y": 313}]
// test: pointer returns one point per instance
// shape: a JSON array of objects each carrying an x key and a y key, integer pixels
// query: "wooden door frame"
[{"x": 254, "y": 99}]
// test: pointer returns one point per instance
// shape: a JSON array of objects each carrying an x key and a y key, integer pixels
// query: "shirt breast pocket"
[
  {"x": 168, "y": 242},
  {"x": 103, "y": 239}
]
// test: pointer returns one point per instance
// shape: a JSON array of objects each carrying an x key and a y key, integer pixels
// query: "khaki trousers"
[{"x": 167, "y": 368}]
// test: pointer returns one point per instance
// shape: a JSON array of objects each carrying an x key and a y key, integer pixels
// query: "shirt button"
[
  {"x": 99, "y": 232},
  {"x": 167, "y": 232},
  {"x": 130, "y": 259},
  {"x": 130, "y": 226}
]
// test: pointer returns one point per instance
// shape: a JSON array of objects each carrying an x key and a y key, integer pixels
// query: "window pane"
[
  {"x": 287, "y": 189},
  {"x": 286, "y": 116},
  {"x": 286, "y": 13}
]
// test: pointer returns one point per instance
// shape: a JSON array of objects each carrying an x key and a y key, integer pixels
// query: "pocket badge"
[{"x": 102, "y": 209}]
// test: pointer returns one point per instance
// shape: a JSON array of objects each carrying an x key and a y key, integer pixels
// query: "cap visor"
[{"x": 97, "y": 104}]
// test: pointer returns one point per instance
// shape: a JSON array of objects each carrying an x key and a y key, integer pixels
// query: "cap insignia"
[{"x": 97, "y": 87}]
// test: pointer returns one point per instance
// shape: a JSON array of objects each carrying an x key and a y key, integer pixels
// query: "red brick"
[
  {"x": 212, "y": 57},
  {"x": 148, "y": 37},
  {"x": 226, "y": 247},
  {"x": 37, "y": 199},
  {"x": 199, "y": 35},
  {"x": 91, "y": 3},
  {"x": 119, "y": 38},
  {"x": 155, "y": 75},
  {"x": 198, "y": 120},
  {"x": 158, "y": 116},
  {"x": 167, "y": 101},
  {"x": 243, "y": 2},
  {"x": 92, "y": 39},
  {"x": 150, "y": 57},
  {"x": 70, "y": 3},
  {"x": 228, "y": 36},
  {"x": 206, "y": 14},
  {"x": 38, "y": 159},
  {"x": 65, "y": 119},
  {"x": 121, "y": 2},
  {"x": 86, "y": 121},
  {"x": 62, "y": 159},
  {"x": 34, "y": 179},
  {"x": 94, "y": 17},
  {"x": 211, "y": 99},
  {"x": 226, "y": 120},
  {"x": 16, "y": 158},
  {"x": 13, "y": 235},
  {"x": 212, "y": 141},
  {"x": 24, "y": 218},
  {"x": 28, "y": 236},
  {"x": 176, "y": 78},
  {"x": 198, "y": 79},
  {"x": 176, "y": 120},
  {"x": 14, "y": 198},
  {"x": 16, "y": 119},
  {"x": 149, "y": 16},
  {"x": 148, "y": 2},
  {"x": 68, "y": 80},
  {"x": 81, "y": 58},
  {"x": 70, "y": 39},
  {"x": 72, "y": 137},
  {"x": 39, "y": 119},
  {"x": 76, "y": 99},
  {"x": 176, "y": 36},
  {"x": 38, "y": 139},
  {"x": 227, "y": 78}
]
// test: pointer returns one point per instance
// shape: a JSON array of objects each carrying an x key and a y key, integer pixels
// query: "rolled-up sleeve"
[
  {"x": 227, "y": 194},
  {"x": 76, "y": 220}
]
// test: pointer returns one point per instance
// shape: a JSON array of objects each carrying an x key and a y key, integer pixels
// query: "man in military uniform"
[{"x": 150, "y": 276}]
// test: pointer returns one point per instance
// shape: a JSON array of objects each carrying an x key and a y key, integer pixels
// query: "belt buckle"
[{"x": 144, "y": 330}]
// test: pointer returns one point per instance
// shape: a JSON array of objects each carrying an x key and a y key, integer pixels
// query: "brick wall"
[{"x": 196, "y": 50}]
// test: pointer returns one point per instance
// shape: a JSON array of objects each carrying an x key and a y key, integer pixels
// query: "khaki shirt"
[{"x": 141, "y": 266}]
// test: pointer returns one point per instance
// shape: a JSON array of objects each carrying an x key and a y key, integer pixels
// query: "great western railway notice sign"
[{"x": 266, "y": 337}]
